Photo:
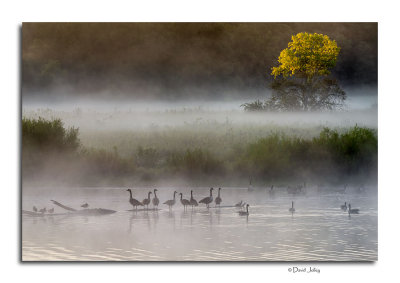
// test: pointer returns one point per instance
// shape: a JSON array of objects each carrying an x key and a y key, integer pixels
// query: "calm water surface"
[{"x": 317, "y": 231}]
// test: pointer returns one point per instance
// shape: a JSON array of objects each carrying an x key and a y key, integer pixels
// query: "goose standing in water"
[
  {"x": 146, "y": 201},
  {"x": 344, "y": 206},
  {"x": 353, "y": 210},
  {"x": 292, "y": 208},
  {"x": 171, "y": 202},
  {"x": 184, "y": 202},
  {"x": 134, "y": 202},
  {"x": 34, "y": 209},
  {"x": 156, "y": 201},
  {"x": 207, "y": 200},
  {"x": 85, "y": 205},
  {"x": 193, "y": 202},
  {"x": 243, "y": 213},
  {"x": 218, "y": 199}
]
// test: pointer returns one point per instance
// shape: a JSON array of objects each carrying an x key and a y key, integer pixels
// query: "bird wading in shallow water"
[
  {"x": 193, "y": 202},
  {"x": 218, "y": 199},
  {"x": 184, "y": 202},
  {"x": 155, "y": 200},
  {"x": 134, "y": 202},
  {"x": 146, "y": 201},
  {"x": 171, "y": 202},
  {"x": 208, "y": 200}
]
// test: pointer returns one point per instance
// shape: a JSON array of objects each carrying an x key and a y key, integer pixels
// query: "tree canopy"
[
  {"x": 301, "y": 80},
  {"x": 307, "y": 54}
]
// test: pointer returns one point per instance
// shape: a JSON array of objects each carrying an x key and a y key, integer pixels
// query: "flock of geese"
[
  {"x": 185, "y": 202},
  {"x": 191, "y": 202},
  {"x": 207, "y": 201}
]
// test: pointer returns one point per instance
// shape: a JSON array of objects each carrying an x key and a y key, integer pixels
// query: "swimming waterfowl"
[
  {"x": 51, "y": 210},
  {"x": 207, "y": 200},
  {"x": 134, "y": 202},
  {"x": 353, "y": 210},
  {"x": 43, "y": 210},
  {"x": 85, "y": 205},
  {"x": 344, "y": 207}
]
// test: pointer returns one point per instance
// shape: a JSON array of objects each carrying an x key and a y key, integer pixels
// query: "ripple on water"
[{"x": 317, "y": 231}]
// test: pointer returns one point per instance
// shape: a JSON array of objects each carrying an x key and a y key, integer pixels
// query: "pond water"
[{"x": 318, "y": 230}]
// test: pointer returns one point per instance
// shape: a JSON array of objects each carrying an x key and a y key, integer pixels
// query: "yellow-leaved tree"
[
  {"x": 301, "y": 80},
  {"x": 307, "y": 55}
]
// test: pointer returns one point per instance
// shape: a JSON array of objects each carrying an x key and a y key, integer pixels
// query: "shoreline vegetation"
[{"x": 230, "y": 155}]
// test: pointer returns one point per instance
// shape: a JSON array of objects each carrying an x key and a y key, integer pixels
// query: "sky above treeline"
[{"x": 178, "y": 60}]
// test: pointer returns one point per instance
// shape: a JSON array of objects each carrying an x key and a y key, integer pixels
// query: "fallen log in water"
[{"x": 63, "y": 206}]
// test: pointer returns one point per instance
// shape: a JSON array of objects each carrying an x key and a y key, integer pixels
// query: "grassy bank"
[{"x": 196, "y": 154}]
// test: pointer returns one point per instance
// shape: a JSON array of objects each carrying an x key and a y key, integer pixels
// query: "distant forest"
[{"x": 174, "y": 60}]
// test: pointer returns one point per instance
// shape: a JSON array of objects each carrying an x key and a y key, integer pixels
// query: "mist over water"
[
  {"x": 112, "y": 106},
  {"x": 131, "y": 115},
  {"x": 317, "y": 231}
]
